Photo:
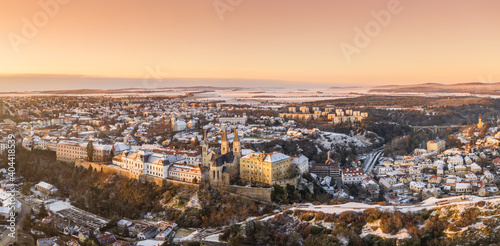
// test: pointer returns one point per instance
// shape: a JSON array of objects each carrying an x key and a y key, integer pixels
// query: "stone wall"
[
  {"x": 261, "y": 194},
  {"x": 284, "y": 182},
  {"x": 104, "y": 168}
]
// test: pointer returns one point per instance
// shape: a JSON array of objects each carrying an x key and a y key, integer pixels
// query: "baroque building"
[{"x": 266, "y": 168}]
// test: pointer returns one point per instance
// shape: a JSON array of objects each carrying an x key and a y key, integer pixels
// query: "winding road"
[{"x": 372, "y": 160}]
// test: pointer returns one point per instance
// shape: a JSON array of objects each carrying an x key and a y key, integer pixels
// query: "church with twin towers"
[
  {"x": 228, "y": 163},
  {"x": 223, "y": 162}
]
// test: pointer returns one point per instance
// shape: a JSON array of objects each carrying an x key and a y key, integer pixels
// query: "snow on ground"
[
  {"x": 343, "y": 240},
  {"x": 213, "y": 238},
  {"x": 255, "y": 95},
  {"x": 363, "y": 137},
  {"x": 368, "y": 230},
  {"x": 251, "y": 218},
  {"x": 194, "y": 202},
  {"x": 258, "y": 95},
  {"x": 314, "y": 175},
  {"x": 326, "y": 225},
  {"x": 427, "y": 204},
  {"x": 326, "y": 181},
  {"x": 179, "y": 237},
  {"x": 329, "y": 139}
]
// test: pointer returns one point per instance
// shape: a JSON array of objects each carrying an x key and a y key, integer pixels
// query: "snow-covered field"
[
  {"x": 254, "y": 95},
  {"x": 278, "y": 95}
]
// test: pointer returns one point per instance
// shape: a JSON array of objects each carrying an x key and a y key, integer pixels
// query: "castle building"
[{"x": 265, "y": 168}]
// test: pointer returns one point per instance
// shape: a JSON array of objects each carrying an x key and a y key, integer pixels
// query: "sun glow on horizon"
[{"x": 286, "y": 41}]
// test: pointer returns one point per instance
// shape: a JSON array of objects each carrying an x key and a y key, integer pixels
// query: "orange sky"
[{"x": 288, "y": 40}]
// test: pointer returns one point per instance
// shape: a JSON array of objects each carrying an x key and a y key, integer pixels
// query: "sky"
[{"x": 51, "y": 44}]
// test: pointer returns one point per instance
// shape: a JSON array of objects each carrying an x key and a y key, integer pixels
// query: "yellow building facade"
[{"x": 265, "y": 168}]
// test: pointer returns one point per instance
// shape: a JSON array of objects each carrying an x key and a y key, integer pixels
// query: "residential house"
[
  {"x": 417, "y": 186},
  {"x": 353, "y": 176}
]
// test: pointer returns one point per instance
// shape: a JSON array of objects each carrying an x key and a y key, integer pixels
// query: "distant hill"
[
  {"x": 472, "y": 88},
  {"x": 121, "y": 91}
]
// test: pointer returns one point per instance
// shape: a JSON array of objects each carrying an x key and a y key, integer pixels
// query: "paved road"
[{"x": 372, "y": 160}]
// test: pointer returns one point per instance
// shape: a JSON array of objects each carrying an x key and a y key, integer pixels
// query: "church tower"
[
  {"x": 236, "y": 145},
  {"x": 224, "y": 144},
  {"x": 172, "y": 122},
  {"x": 204, "y": 150},
  {"x": 480, "y": 123}
]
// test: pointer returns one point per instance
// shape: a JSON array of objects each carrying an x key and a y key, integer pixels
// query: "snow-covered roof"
[
  {"x": 4, "y": 210},
  {"x": 124, "y": 222},
  {"x": 246, "y": 151},
  {"x": 102, "y": 147},
  {"x": 45, "y": 185},
  {"x": 463, "y": 186},
  {"x": 121, "y": 147},
  {"x": 4, "y": 195},
  {"x": 353, "y": 172},
  {"x": 149, "y": 242},
  {"x": 300, "y": 159},
  {"x": 275, "y": 157},
  {"x": 180, "y": 123},
  {"x": 58, "y": 206},
  {"x": 417, "y": 184}
]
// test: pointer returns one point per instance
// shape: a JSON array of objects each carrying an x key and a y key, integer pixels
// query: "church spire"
[
  {"x": 204, "y": 150},
  {"x": 224, "y": 144},
  {"x": 480, "y": 123},
  {"x": 236, "y": 144},
  {"x": 236, "y": 135}
]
